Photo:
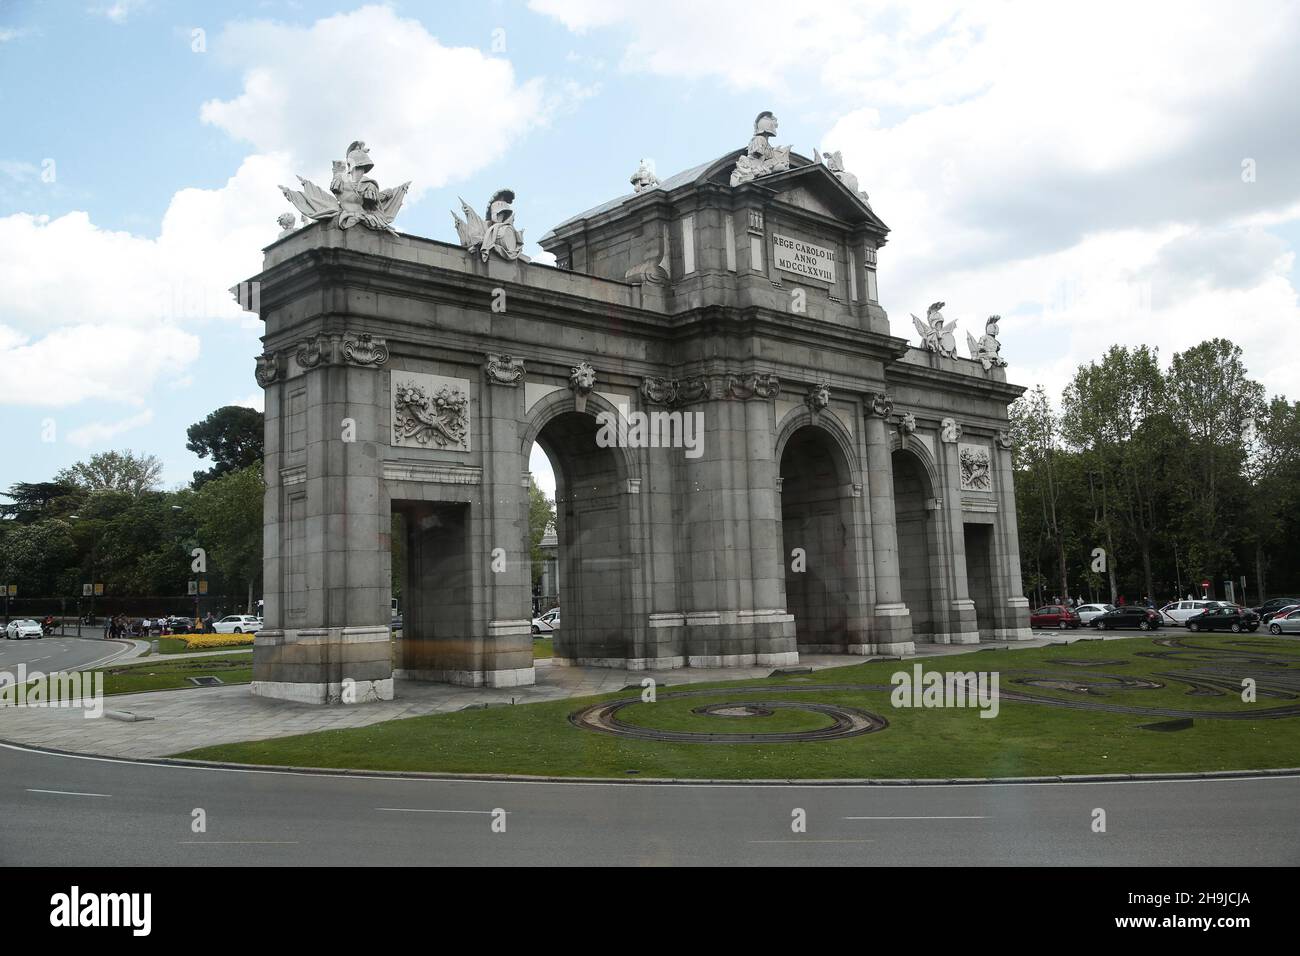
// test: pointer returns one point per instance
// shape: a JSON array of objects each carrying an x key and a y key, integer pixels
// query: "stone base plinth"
[{"x": 324, "y": 665}]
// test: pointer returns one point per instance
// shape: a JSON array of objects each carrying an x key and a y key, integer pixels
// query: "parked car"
[
  {"x": 237, "y": 624},
  {"x": 1269, "y": 609},
  {"x": 548, "y": 622},
  {"x": 1285, "y": 622},
  {"x": 20, "y": 630},
  {"x": 1054, "y": 615},
  {"x": 1087, "y": 612},
  {"x": 1235, "y": 619},
  {"x": 180, "y": 625},
  {"x": 1177, "y": 612},
  {"x": 396, "y": 623},
  {"x": 1130, "y": 615}
]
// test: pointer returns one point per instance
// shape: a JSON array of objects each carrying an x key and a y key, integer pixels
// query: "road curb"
[{"x": 675, "y": 781}]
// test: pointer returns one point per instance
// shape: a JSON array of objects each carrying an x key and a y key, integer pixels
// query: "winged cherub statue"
[
  {"x": 987, "y": 350},
  {"x": 353, "y": 197},
  {"x": 936, "y": 332},
  {"x": 494, "y": 232}
]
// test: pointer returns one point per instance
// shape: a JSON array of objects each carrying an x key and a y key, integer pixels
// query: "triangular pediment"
[{"x": 815, "y": 189}]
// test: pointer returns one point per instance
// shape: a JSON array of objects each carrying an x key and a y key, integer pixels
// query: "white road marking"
[
  {"x": 810, "y": 841},
  {"x": 68, "y": 793},
  {"x": 916, "y": 818},
  {"x": 237, "y": 843},
  {"x": 419, "y": 810}
]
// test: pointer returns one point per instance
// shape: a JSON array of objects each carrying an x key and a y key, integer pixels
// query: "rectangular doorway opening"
[
  {"x": 433, "y": 587},
  {"x": 979, "y": 576}
]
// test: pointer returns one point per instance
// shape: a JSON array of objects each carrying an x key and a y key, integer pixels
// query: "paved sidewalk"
[{"x": 185, "y": 719}]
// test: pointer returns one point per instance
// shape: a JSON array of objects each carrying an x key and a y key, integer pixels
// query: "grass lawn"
[
  {"x": 543, "y": 647},
  {"x": 1025, "y": 739},
  {"x": 156, "y": 674}
]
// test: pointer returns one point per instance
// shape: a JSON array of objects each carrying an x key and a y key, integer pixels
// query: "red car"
[{"x": 1054, "y": 615}]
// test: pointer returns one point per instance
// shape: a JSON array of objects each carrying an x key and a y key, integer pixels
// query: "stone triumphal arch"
[{"x": 845, "y": 492}]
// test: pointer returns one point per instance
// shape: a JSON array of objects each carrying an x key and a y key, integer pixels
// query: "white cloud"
[
  {"x": 429, "y": 113},
  {"x": 113, "y": 312},
  {"x": 1075, "y": 168},
  {"x": 98, "y": 433},
  {"x": 119, "y": 11},
  {"x": 253, "y": 400}
]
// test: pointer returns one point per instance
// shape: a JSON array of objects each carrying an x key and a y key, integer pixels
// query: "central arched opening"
[
  {"x": 818, "y": 543},
  {"x": 591, "y": 554}
]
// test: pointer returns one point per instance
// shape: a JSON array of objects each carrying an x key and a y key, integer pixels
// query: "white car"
[
  {"x": 237, "y": 624},
  {"x": 1087, "y": 612},
  {"x": 1178, "y": 612},
  {"x": 548, "y": 622},
  {"x": 17, "y": 630}
]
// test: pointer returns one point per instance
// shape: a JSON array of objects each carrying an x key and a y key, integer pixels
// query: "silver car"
[
  {"x": 1177, "y": 612},
  {"x": 1286, "y": 622}
]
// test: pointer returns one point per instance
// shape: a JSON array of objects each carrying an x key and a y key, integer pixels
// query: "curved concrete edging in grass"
[{"x": 674, "y": 781}]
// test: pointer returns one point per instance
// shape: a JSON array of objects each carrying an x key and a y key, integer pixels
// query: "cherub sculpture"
[
  {"x": 987, "y": 350},
  {"x": 494, "y": 232},
  {"x": 936, "y": 332},
  {"x": 353, "y": 197},
  {"x": 761, "y": 157}
]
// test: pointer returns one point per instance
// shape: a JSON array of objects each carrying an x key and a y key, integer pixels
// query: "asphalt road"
[
  {"x": 56, "y": 653},
  {"x": 75, "y": 811}
]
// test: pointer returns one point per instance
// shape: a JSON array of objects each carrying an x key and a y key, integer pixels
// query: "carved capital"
[
  {"x": 674, "y": 392},
  {"x": 949, "y": 430},
  {"x": 753, "y": 385},
  {"x": 366, "y": 350},
  {"x": 504, "y": 370},
  {"x": 314, "y": 351},
  {"x": 882, "y": 406},
  {"x": 270, "y": 368}
]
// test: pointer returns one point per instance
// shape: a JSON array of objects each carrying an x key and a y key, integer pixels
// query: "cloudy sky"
[{"x": 1095, "y": 173}]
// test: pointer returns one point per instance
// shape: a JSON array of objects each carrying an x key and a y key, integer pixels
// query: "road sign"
[
  {"x": 203, "y": 587},
  {"x": 8, "y": 590},
  {"x": 87, "y": 590},
  {"x": 192, "y": 588},
  {"x": 99, "y": 588}
]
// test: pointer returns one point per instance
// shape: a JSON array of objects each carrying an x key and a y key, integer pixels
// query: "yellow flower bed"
[{"x": 205, "y": 641}]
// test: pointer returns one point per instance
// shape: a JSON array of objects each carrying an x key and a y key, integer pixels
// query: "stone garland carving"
[
  {"x": 882, "y": 406},
  {"x": 907, "y": 423},
  {"x": 270, "y": 368},
  {"x": 753, "y": 385},
  {"x": 936, "y": 332},
  {"x": 949, "y": 430},
  {"x": 365, "y": 349},
  {"x": 504, "y": 370},
  {"x": 818, "y": 397},
  {"x": 494, "y": 231},
  {"x": 761, "y": 157},
  {"x": 835, "y": 163},
  {"x": 353, "y": 196},
  {"x": 987, "y": 350},
  {"x": 672, "y": 392},
  {"x": 976, "y": 472},
  {"x": 442, "y": 417}
]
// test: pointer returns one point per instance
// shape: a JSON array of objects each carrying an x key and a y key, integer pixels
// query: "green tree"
[
  {"x": 1213, "y": 399},
  {"x": 228, "y": 519},
  {"x": 114, "y": 471},
  {"x": 36, "y": 501},
  {"x": 232, "y": 437},
  {"x": 1035, "y": 434}
]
